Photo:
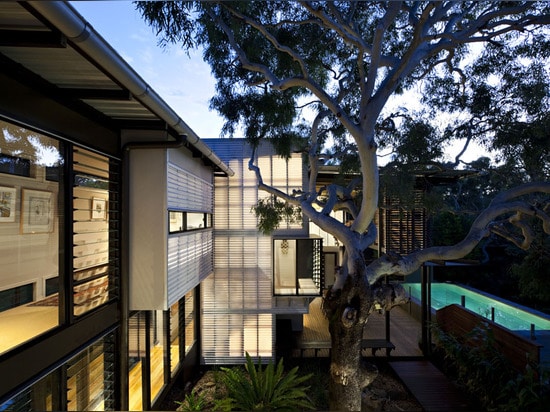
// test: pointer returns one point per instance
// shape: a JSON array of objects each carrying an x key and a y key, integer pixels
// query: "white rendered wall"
[{"x": 163, "y": 266}]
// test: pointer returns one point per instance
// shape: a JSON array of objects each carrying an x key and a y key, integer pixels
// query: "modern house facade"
[
  {"x": 129, "y": 254},
  {"x": 258, "y": 280},
  {"x": 106, "y": 205}
]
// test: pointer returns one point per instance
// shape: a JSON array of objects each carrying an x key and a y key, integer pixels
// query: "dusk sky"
[{"x": 184, "y": 83}]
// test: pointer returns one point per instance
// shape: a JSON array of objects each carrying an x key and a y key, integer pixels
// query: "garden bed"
[{"x": 386, "y": 393}]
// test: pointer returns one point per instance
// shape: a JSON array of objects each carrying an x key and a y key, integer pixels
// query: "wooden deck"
[
  {"x": 430, "y": 387},
  {"x": 404, "y": 333}
]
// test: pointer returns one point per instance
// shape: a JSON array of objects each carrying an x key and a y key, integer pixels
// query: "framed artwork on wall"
[
  {"x": 99, "y": 208},
  {"x": 7, "y": 204},
  {"x": 36, "y": 211}
]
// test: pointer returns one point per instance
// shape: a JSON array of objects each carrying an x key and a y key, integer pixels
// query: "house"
[
  {"x": 262, "y": 284},
  {"x": 106, "y": 204},
  {"x": 129, "y": 254},
  {"x": 259, "y": 281}
]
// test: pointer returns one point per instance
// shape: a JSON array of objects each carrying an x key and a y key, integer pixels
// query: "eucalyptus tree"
[{"x": 343, "y": 62}]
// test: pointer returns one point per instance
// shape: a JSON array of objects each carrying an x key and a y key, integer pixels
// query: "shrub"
[
  {"x": 259, "y": 389},
  {"x": 476, "y": 364},
  {"x": 192, "y": 402}
]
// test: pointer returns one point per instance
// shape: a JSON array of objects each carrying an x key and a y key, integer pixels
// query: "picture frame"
[
  {"x": 36, "y": 211},
  {"x": 7, "y": 204},
  {"x": 99, "y": 208}
]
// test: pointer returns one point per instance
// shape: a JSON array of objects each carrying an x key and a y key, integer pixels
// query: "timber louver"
[{"x": 402, "y": 229}]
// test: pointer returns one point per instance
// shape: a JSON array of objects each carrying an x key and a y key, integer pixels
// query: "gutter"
[{"x": 65, "y": 18}]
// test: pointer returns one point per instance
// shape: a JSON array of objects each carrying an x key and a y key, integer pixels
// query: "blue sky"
[{"x": 184, "y": 83}]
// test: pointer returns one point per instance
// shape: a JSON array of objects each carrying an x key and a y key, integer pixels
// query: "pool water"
[{"x": 507, "y": 314}]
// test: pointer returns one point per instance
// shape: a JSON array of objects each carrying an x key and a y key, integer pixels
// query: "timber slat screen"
[
  {"x": 460, "y": 321},
  {"x": 402, "y": 229}
]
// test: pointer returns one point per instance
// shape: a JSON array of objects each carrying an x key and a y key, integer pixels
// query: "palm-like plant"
[
  {"x": 192, "y": 402},
  {"x": 269, "y": 389}
]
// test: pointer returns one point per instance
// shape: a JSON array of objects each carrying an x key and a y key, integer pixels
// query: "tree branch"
[
  {"x": 503, "y": 204},
  {"x": 290, "y": 82},
  {"x": 267, "y": 35},
  {"x": 376, "y": 54}
]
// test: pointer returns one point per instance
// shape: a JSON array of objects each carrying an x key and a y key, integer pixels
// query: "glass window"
[
  {"x": 15, "y": 165},
  {"x": 184, "y": 221},
  {"x": 189, "y": 320},
  {"x": 177, "y": 223},
  {"x": 297, "y": 267},
  {"x": 90, "y": 377},
  {"x": 93, "y": 268},
  {"x": 174, "y": 337},
  {"x": 157, "y": 345},
  {"x": 30, "y": 210},
  {"x": 52, "y": 286},
  {"x": 40, "y": 396},
  {"x": 137, "y": 355},
  {"x": 13, "y": 297},
  {"x": 195, "y": 221}
]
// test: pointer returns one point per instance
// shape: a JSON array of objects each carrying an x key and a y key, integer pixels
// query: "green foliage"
[
  {"x": 192, "y": 402},
  {"x": 532, "y": 272},
  {"x": 271, "y": 212},
  {"x": 259, "y": 389},
  {"x": 474, "y": 361}
]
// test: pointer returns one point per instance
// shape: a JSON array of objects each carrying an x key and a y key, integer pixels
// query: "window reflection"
[
  {"x": 29, "y": 233},
  {"x": 91, "y": 231},
  {"x": 195, "y": 221}
]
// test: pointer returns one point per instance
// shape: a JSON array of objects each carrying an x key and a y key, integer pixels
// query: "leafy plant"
[
  {"x": 192, "y": 402},
  {"x": 480, "y": 368},
  {"x": 259, "y": 389},
  {"x": 271, "y": 212}
]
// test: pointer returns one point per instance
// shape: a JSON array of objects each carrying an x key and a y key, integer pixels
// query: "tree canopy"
[
  {"x": 343, "y": 61},
  {"x": 320, "y": 76}
]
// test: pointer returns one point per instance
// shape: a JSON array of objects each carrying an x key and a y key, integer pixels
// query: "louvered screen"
[
  {"x": 237, "y": 301},
  {"x": 96, "y": 226},
  {"x": 403, "y": 230},
  {"x": 189, "y": 261},
  {"x": 91, "y": 378},
  {"x": 190, "y": 257},
  {"x": 188, "y": 192}
]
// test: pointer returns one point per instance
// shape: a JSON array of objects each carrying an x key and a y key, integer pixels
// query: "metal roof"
[{"x": 53, "y": 44}]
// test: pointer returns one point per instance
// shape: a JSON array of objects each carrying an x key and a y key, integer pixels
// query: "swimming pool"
[{"x": 508, "y": 314}]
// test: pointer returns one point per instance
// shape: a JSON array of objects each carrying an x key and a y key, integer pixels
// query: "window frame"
[
  {"x": 297, "y": 287},
  {"x": 206, "y": 219}
]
